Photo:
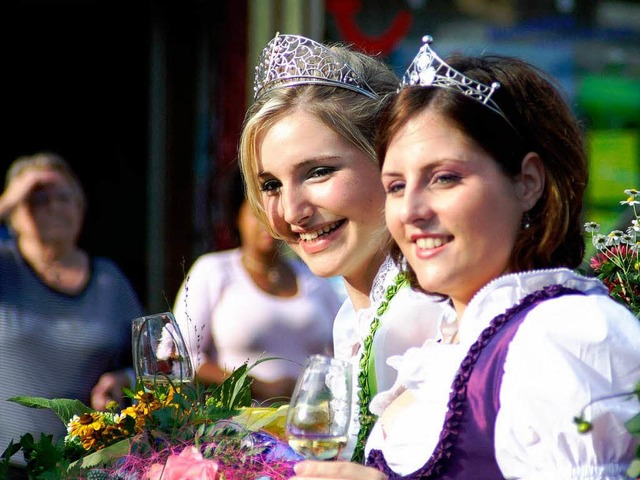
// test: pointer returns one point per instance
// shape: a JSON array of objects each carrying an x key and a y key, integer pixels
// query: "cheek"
[
  {"x": 489, "y": 225},
  {"x": 366, "y": 203},
  {"x": 275, "y": 217},
  {"x": 392, "y": 219}
]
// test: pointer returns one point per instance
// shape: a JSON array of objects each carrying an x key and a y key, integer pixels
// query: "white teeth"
[
  {"x": 307, "y": 237},
  {"x": 428, "y": 243}
]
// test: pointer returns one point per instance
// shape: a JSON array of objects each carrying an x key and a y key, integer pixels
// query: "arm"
[
  {"x": 21, "y": 186},
  {"x": 582, "y": 348},
  {"x": 109, "y": 388},
  {"x": 124, "y": 305},
  {"x": 315, "y": 470},
  {"x": 194, "y": 308}
]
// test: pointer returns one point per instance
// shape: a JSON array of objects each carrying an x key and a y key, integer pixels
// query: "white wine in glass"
[
  {"x": 320, "y": 409},
  {"x": 160, "y": 355}
]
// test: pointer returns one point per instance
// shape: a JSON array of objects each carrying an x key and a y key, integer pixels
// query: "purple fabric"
[{"x": 465, "y": 450}]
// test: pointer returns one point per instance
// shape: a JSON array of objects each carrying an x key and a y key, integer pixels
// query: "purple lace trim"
[{"x": 451, "y": 428}]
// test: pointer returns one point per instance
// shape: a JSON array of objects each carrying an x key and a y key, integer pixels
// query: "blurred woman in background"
[{"x": 65, "y": 316}]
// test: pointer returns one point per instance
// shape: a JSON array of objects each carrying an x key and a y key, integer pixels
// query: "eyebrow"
[{"x": 306, "y": 163}]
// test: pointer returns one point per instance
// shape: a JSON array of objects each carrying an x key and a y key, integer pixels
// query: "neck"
[
  {"x": 46, "y": 254},
  {"x": 260, "y": 263},
  {"x": 270, "y": 268},
  {"x": 359, "y": 285}
]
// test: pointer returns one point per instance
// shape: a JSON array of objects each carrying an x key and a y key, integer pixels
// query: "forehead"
[
  {"x": 296, "y": 138},
  {"x": 429, "y": 132}
]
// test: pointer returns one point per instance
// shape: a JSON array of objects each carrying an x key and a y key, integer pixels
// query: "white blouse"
[
  {"x": 567, "y": 352},
  {"x": 409, "y": 320},
  {"x": 224, "y": 317}
]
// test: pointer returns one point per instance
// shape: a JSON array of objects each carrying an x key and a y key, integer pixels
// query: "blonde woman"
[{"x": 313, "y": 177}]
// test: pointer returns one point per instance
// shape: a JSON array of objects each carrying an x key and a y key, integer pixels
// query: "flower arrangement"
[
  {"x": 617, "y": 261},
  {"x": 168, "y": 432},
  {"x": 617, "y": 264}
]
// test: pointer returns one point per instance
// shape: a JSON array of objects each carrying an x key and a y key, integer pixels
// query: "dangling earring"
[
  {"x": 404, "y": 265},
  {"x": 526, "y": 221}
]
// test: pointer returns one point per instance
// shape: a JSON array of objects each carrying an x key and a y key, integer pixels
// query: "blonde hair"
[{"x": 349, "y": 114}]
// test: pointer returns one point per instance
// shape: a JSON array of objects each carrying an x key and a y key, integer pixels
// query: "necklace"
[
  {"x": 367, "y": 375},
  {"x": 272, "y": 271}
]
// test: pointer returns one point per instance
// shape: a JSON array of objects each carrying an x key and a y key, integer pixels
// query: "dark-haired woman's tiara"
[
  {"x": 290, "y": 60},
  {"x": 428, "y": 70}
]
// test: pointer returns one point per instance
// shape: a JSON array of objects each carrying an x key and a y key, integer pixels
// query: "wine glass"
[
  {"x": 318, "y": 416},
  {"x": 160, "y": 355}
]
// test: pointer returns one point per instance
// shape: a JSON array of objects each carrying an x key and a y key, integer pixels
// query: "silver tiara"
[
  {"x": 290, "y": 60},
  {"x": 429, "y": 70}
]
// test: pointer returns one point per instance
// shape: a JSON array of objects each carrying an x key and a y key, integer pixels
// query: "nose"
[
  {"x": 295, "y": 207},
  {"x": 415, "y": 207}
]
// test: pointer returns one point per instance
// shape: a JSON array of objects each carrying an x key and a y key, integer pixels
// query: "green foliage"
[
  {"x": 64, "y": 408},
  {"x": 45, "y": 460},
  {"x": 183, "y": 413}
]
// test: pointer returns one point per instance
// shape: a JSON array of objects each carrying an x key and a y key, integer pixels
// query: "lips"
[
  {"x": 311, "y": 236},
  {"x": 430, "y": 243}
]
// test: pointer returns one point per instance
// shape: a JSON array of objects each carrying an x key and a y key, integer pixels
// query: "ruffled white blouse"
[
  {"x": 409, "y": 320},
  {"x": 568, "y": 351}
]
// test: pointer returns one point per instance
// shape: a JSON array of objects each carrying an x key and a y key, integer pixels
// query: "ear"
[{"x": 530, "y": 183}]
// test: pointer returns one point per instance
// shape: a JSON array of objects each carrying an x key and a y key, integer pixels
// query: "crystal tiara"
[
  {"x": 429, "y": 70},
  {"x": 290, "y": 60}
]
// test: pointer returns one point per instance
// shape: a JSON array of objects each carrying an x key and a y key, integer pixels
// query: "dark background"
[
  {"x": 76, "y": 79},
  {"x": 75, "y": 82}
]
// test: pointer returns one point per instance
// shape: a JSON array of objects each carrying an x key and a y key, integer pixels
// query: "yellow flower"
[{"x": 86, "y": 424}]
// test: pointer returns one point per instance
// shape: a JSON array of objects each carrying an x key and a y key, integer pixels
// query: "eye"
[
  {"x": 446, "y": 178},
  {"x": 320, "y": 172},
  {"x": 395, "y": 187},
  {"x": 270, "y": 187}
]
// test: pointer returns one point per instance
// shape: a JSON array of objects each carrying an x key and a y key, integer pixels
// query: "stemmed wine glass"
[
  {"x": 160, "y": 355},
  {"x": 318, "y": 416}
]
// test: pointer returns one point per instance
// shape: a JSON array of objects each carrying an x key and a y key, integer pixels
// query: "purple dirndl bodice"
[{"x": 465, "y": 449}]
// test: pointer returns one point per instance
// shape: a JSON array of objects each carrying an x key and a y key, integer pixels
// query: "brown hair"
[{"x": 539, "y": 120}]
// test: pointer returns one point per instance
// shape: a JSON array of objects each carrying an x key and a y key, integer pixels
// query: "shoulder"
[
  {"x": 211, "y": 262},
  {"x": 107, "y": 270},
  {"x": 211, "y": 271},
  {"x": 6, "y": 252},
  {"x": 575, "y": 336},
  {"x": 106, "y": 266},
  {"x": 567, "y": 352},
  {"x": 590, "y": 318}
]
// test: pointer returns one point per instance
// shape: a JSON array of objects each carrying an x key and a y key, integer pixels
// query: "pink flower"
[{"x": 189, "y": 465}]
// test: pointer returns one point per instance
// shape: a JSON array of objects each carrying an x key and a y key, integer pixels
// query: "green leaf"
[
  {"x": 65, "y": 408},
  {"x": 634, "y": 469},
  {"x": 105, "y": 456},
  {"x": 633, "y": 424}
]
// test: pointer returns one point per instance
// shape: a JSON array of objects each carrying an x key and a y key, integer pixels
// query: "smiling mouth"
[
  {"x": 430, "y": 243},
  {"x": 311, "y": 236}
]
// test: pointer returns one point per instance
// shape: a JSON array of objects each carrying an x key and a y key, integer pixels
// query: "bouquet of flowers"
[
  {"x": 617, "y": 264},
  {"x": 169, "y": 432}
]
